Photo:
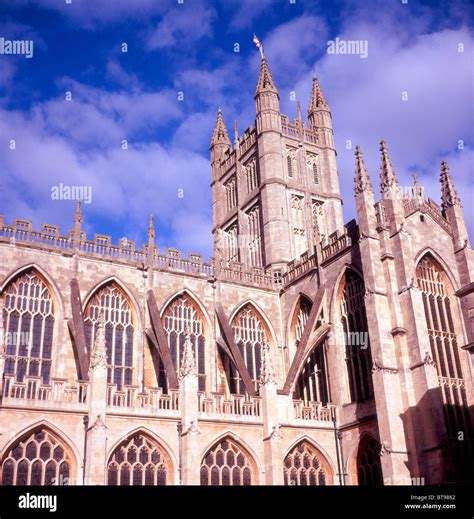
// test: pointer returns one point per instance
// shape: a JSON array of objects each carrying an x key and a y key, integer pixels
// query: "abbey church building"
[{"x": 308, "y": 351}]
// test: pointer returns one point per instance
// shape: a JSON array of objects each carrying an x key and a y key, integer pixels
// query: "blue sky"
[{"x": 189, "y": 48}]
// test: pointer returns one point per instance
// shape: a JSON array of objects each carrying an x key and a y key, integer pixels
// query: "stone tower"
[{"x": 276, "y": 192}]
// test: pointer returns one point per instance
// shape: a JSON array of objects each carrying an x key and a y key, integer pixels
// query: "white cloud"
[
  {"x": 90, "y": 13},
  {"x": 365, "y": 96},
  {"x": 127, "y": 185},
  {"x": 116, "y": 73},
  {"x": 186, "y": 22}
]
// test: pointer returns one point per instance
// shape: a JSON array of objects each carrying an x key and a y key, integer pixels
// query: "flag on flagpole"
[{"x": 259, "y": 44}]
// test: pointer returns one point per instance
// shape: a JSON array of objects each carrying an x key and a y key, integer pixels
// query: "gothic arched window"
[
  {"x": 138, "y": 461},
  {"x": 369, "y": 468},
  {"x": 289, "y": 165},
  {"x": 356, "y": 338},
  {"x": 291, "y": 161},
  {"x": 298, "y": 222},
  {"x": 39, "y": 459},
  {"x": 249, "y": 335},
  {"x": 255, "y": 237},
  {"x": 251, "y": 170},
  {"x": 439, "y": 318},
  {"x": 301, "y": 318},
  {"x": 231, "y": 193},
  {"x": 312, "y": 162},
  {"x": 232, "y": 243},
  {"x": 440, "y": 314},
  {"x": 28, "y": 323},
  {"x": 304, "y": 466},
  {"x": 312, "y": 384},
  {"x": 117, "y": 314},
  {"x": 182, "y": 316},
  {"x": 227, "y": 463},
  {"x": 318, "y": 220},
  {"x": 315, "y": 173}
]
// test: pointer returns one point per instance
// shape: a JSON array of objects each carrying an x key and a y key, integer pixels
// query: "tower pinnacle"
[
  {"x": 99, "y": 352},
  {"x": 151, "y": 228},
  {"x": 449, "y": 195},
  {"x": 267, "y": 373},
  {"x": 220, "y": 145},
  {"x": 78, "y": 213},
  {"x": 265, "y": 81},
  {"x": 388, "y": 177},
  {"x": 220, "y": 135},
  {"x": 319, "y": 115},
  {"x": 317, "y": 100},
  {"x": 188, "y": 362},
  {"x": 362, "y": 179}
]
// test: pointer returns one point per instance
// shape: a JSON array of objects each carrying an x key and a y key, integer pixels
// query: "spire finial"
[
  {"x": 188, "y": 362},
  {"x": 362, "y": 180},
  {"x": 388, "y": 177},
  {"x": 265, "y": 80},
  {"x": 298, "y": 109},
  {"x": 449, "y": 195},
  {"x": 236, "y": 131},
  {"x": 417, "y": 188},
  {"x": 267, "y": 375},
  {"x": 151, "y": 228},
  {"x": 220, "y": 135},
  {"x": 317, "y": 100},
  {"x": 77, "y": 226},
  {"x": 78, "y": 213}
]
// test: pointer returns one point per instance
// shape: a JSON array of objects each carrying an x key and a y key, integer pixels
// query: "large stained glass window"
[
  {"x": 29, "y": 323},
  {"x": 182, "y": 317},
  {"x": 119, "y": 329},
  {"x": 303, "y": 466},
  {"x": 227, "y": 464},
  {"x": 138, "y": 461},
  {"x": 356, "y": 338},
  {"x": 249, "y": 335},
  {"x": 441, "y": 314},
  {"x": 312, "y": 385},
  {"x": 38, "y": 459}
]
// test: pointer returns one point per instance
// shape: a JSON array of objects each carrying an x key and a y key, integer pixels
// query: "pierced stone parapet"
[
  {"x": 236, "y": 406},
  {"x": 336, "y": 245},
  {"x": 150, "y": 400},
  {"x": 295, "y": 269},
  {"x": 313, "y": 411},
  {"x": 31, "y": 393},
  {"x": 50, "y": 239}
]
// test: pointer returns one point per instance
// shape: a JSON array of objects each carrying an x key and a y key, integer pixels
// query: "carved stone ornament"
[
  {"x": 98, "y": 424},
  {"x": 385, "y": 448},
  {"x": 276, "y": 433}
]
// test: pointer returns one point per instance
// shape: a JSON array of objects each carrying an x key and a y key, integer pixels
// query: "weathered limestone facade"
[{"x": 305, "y": 352}]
